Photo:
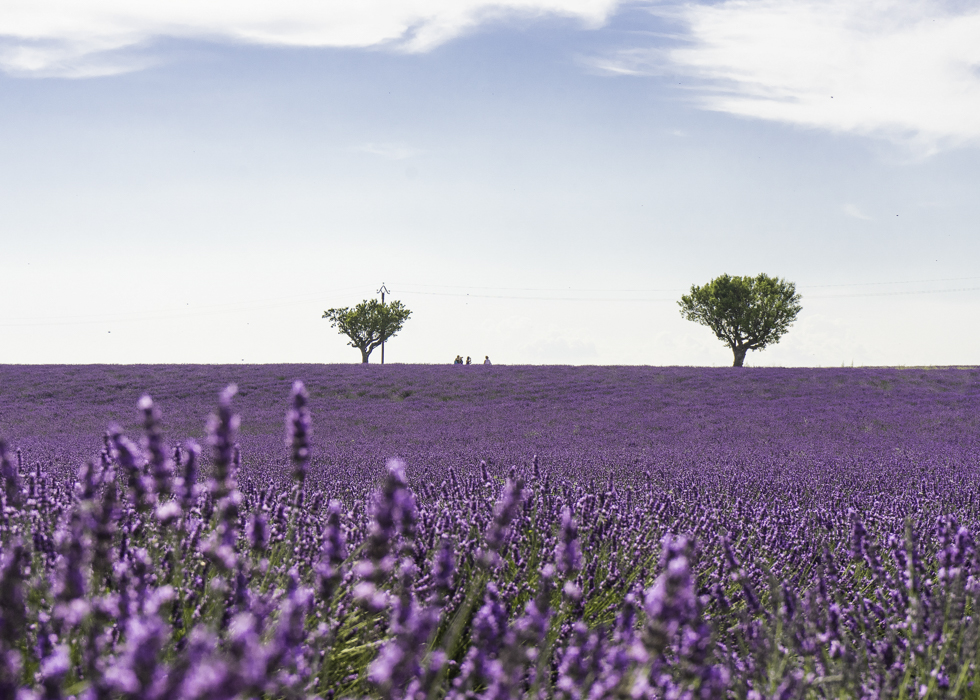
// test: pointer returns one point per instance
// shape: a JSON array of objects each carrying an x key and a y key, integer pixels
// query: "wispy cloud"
[
  {"x": 88, "y": 37},
  {"x": 632, "y": 61},
  {"x": 905, "y": 70},
  {"x": 647, "y": 61},
  {"x": 393, "y": 151},
  {"x": 81, "y": 59},
  {"x": 853, "y": 210}
]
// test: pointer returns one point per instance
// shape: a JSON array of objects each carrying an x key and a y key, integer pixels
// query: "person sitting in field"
[
  {"x": 486, "y": 360},
  {"x": 458, "y": 360},
  {"x": 468, "y": 360}
]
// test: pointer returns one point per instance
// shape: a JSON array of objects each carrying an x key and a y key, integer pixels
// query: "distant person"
[
  {"x": 458, "y": 360},
  {"x": 468, "y": 360},
  {"x": 486, "y": 360}
]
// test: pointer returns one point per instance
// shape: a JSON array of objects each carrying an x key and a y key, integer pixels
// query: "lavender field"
[{"x": 489, "y": 532}]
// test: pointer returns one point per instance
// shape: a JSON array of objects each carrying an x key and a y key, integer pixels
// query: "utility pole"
[{"x": 382, "y": 293}]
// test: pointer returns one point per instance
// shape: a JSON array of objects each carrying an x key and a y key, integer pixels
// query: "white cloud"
[
  {"x": 853, "y": 210},
  {"x": 632, "y": 61},
  {"x": 907, "y": 70},
  {"x": 643, "y": 61},
  {"x": 85, "y": 37}
]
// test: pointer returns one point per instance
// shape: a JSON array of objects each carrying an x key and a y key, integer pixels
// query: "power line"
[
  {"x": 672, "y": 290},
  {"x": 281, "y": 301},
  {"x": 635, "y": 299},
  {"x": 534, "y": 289},
  {"x": 527, "y": 298},
  {"x": 889, "y": 294},
  {"x": 870, "y": 284},
  {"x": 166, "y": 314}
]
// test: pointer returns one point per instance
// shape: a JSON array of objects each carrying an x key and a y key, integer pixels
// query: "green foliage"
[
  {"x": 368, "y": 324},
  {"x": 747, "y": 313}
]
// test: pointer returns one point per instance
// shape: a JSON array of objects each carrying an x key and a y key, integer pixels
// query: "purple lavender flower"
[
  {"x": 188, "y": 480},
  {"x": 581, "y": 663},
  {"x": 568, "y": 556},
  {"x": 11, "y": 668},
  {"x": 104, "y": 526},
  {"x": 963, "y": 548},
  {"x": 532, "y": 626},
  {"x": 398, "y": 663},
  {"x": 481, "y": 666},
  {"x": 298, "y": 432},
  {"x": 86, "y": 483},
  {"x": 444, "y": 569},
  {"x": 13, "y": 490},
  {"x": 13, "y": 611},
  {"x": 52, "y": 672},
  {"x": 817, "y": 467},
  {"x": 220, "y": 547},
  {"x": 73, "y": 543},
  {"x": 394, "y": 513},
  {"x": 161, "y": 467},
  {"x": 858, "y": 535},
  {"x": 332, "y": 554},
  {"x": 222, "y": 429},
  {"x": 285, "y": 651},
  {"x": 504, "y": 513},
  {"x": 620, "y": 655},
  {"x": 257, "y": 532},
  {"x": 168, "y": 512},
  {"x": 671, "y": 602},
  {"x": 138, "y": 668},
  {"x": 489, "y": 623},
  {"x": 130, "y": 458}
]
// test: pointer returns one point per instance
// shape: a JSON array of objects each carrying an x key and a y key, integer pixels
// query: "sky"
[{"x": 539, "y": 181}]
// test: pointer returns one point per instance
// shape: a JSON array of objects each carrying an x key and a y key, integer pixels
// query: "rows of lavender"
[{"x": 780, "y": 563}]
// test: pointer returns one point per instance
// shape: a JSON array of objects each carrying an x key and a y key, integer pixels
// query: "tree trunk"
[
  {"x": 739, "y": 356},
  {"x": 365, "y": 354}
]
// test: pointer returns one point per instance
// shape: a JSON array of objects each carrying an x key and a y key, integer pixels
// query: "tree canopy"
[
  {"x": 747, "y": 313},
  {"x": 368, "y": 324}
]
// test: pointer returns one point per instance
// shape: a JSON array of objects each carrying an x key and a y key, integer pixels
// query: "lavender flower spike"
[
  {"x": 222, "y": 428},
  {"x": 13, "y": 613},
  {"x": 568, "y": 556},
  {"x": 161, "y": 467},
  {"x": 444, "y": 569},
  {"x": 130, "y": 458},
  {"x": 298, "y": 432},
  {"x": 670, "y": 603},
  {"x": 188, "y": 481},
  {"x": 505, "y": 511},
  {"x": 334, "y": 552},
  {"x": 11, "y": 479}
]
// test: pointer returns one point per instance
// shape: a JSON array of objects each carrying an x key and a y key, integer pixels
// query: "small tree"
[
  {"x": 368, "y": 324},
  {"x": 747, "y": 313}
]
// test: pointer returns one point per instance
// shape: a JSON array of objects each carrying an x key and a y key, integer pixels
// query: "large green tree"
[
  {"x": 747, "y": 313},
  {"x": 368, "y": 324}
]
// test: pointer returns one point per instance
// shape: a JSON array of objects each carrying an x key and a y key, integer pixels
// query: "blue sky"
[{"x": 538, "y": 180}]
